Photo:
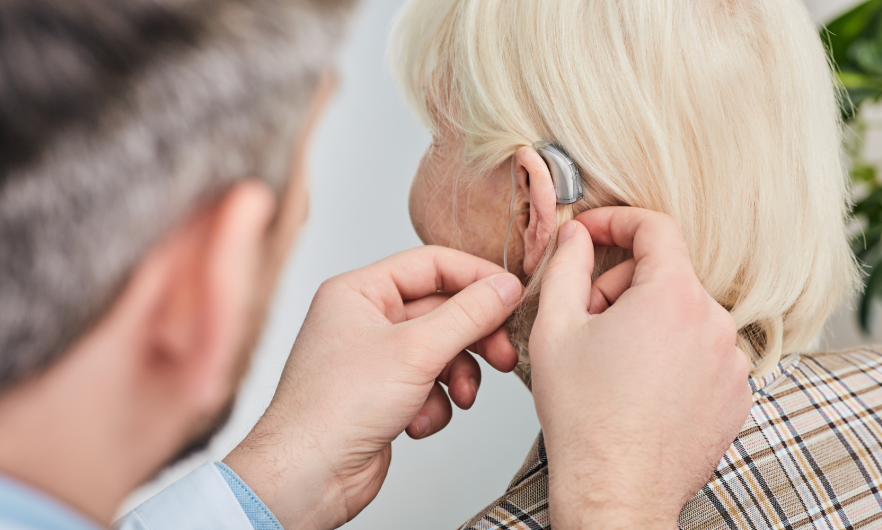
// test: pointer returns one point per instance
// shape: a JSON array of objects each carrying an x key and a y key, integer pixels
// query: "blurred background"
[{"x": 364, "y": 155}]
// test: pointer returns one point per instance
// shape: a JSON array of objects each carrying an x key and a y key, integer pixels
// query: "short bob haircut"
[{"x": 720, "y": 113}]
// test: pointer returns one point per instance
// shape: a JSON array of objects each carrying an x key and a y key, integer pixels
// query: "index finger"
[
  {"x": 421, "y": 271},
  {"x": 416, "y": 273},
  {"x": 653, "y": 237}
]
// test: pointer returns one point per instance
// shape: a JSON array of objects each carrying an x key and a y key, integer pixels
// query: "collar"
[
  {"x": 761, "y": 384},
  {"x": 25, "y": 507}
]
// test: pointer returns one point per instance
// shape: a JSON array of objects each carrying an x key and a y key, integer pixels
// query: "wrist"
[
  {"x": 609, "y": 516},
  {"x": 581, "y": 502},
  {"x": 298, "y": 488},
  {"x": 622, "y": 518}
]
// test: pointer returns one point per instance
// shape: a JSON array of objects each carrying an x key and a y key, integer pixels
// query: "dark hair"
[
  {"x": 64, "y": 60},
  {"x": 117, "y": 118}
]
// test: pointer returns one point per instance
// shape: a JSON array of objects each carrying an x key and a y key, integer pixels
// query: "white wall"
[{"x": 365, "y": 154}]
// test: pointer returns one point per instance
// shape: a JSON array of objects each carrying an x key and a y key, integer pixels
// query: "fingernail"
[
  {"x": 566, "y": 231},
  {"x": 474, "y": 383},
  {"x": 422, "y": 424},
  {"x": 508, "y": 287}
]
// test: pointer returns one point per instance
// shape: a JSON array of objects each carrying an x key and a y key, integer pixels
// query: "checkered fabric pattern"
[{"x": 809, "y": 456}]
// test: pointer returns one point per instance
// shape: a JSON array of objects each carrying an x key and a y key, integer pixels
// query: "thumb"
[
  {"x": 468, "y": 316},
  {"x": 566, "y": 283}
]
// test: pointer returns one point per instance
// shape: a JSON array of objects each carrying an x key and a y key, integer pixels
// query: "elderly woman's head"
[{"x": 720, "y": 113}]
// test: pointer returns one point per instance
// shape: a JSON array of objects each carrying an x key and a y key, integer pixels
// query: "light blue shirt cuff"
[
  {"x": 259, "y": 515},
  {"x": 201, "y": 500}
]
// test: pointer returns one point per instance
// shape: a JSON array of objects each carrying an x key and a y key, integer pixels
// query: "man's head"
[{"x": 151, "y": 183}]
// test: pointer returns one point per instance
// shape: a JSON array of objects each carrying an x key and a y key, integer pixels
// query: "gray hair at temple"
[{"x": 117, "y": 120}]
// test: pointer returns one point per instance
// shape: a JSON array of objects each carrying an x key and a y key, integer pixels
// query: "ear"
[
  {"x": 199, "y": 319},
  {"x": 533, "y": 180}
]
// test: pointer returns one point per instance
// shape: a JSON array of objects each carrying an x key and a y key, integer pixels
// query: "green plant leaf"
[
  {"x": 866, "y": 55},
  {"x": 858, "y": 80},
  {"x": 842, "y": 31},
  {"x": 866, "y": 245},
  {"x": 873, "y": 284},
  {"x": 865, "y": 173},
  {"x": 854, "y": 41}
]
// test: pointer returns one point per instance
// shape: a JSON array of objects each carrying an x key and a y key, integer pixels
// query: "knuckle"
[
  {"x": 470, "y": 316},
  {"x": 661, "y": 223},
  {"x": 671, "y": 227},
  {"x": 665, "y": 221},
  {"x": 742, "y": 364},
  {"x": 694, "y": 293},
  {"x": 426, "y": 251},
  {"x": 724, "y": 323},
  {"x": 668, "y": 226},
  {"x": 746, "y": 400},
  {"x": 687, "y": 295},
  {"x": 723, "y": 336},
  {"x": 329, "y": 286}
]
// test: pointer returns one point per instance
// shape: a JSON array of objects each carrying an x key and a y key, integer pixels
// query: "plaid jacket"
[{"x": 809, "y": 456}]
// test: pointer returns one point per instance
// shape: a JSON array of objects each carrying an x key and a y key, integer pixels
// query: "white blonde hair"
[{"x": 720, "y": 113}]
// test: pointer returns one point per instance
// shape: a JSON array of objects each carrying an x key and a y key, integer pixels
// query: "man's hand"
[
  {"x": 638, "y": 384},
  {"x": 367, "y": 365}
]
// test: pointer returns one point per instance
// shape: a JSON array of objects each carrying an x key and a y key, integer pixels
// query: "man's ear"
[
  {"x": 206, "y": 275},
  {"x": 534, "y": 181}
]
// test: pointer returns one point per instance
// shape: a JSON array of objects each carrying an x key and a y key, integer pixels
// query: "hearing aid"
[{"x": 564, "y": 173}]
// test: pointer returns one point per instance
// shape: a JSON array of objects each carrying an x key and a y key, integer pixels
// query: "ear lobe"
[{"x": 534, "y": 179}]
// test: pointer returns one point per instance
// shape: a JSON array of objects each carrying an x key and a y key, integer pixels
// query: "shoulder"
[{"x": 862, "y": 362}]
